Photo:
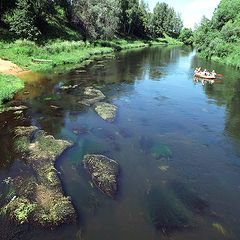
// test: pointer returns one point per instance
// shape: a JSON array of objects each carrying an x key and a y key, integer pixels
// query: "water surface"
[{"x": 177, "y": 142}]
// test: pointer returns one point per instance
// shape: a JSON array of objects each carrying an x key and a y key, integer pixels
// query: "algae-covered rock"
[
  {"x": 53, "y": 207},
  {"x": 39, "y": 197},
  {"x": 104, "y": 173},
  {"x": 106, "y": 111},
  {"x": 92, "y": 96}
]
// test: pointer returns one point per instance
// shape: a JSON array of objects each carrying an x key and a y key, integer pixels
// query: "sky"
[{"x": 191, "y": 11}]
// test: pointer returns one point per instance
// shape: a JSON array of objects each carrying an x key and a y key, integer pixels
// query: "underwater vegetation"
[
  {"x": 173, "y": 206},
  {"x": 155, "y": 148}
]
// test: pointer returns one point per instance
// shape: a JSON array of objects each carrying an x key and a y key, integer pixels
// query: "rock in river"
[
  {"x": 106, "y": 111},
  {"x": 92, "y": 96},
  {"x": 38, "y": 196},
  {"x": 104, "y": 173}
]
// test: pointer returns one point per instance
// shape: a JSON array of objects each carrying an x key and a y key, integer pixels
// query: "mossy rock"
[
  {"x": 39, "y": 193},
  {"x": 104, "y": 173},
  {"x": 106, "y": 111},
  {"x": 92, "y": 96},
  {"x": 159, "y": 150}
]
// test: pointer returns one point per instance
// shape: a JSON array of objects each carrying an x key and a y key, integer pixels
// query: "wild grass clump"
[
  {"x": 8, "y": 86},
  {"x": 63, "y": 46}
]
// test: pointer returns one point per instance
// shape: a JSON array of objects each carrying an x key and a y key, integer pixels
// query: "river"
[{"x": 177, "y": 142}]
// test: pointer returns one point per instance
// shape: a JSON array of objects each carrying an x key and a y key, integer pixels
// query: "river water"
[{"x": 177, "y": 142}]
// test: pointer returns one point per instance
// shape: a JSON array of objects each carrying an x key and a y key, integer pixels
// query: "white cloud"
[{"x": 193, "y": 12}]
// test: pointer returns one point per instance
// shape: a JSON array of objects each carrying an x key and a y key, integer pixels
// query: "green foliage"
[
  {"x": 165, "y": 20},
  {"x": 98, "y": 18},
  {"x": 186, "y": 36},
  {"x": 219, "y": 38},
  {"x": 22, "y": 21},
  {"x": 8, "y": 86},
  {"x": 88, "y": 19}
]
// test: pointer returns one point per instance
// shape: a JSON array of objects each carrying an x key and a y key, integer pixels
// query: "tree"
[
  {"x": 22, "y": 21},
  {"x": 165, "y": 20},
  {"x": 141, "y": 26},
  {"x": 186, "y": 36},
  {"x": 99, "y": 19}
]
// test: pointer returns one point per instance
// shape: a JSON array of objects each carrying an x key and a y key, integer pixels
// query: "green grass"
[
  {"x": 8, "y": 86},
  {"x": 60, "y": 52}
]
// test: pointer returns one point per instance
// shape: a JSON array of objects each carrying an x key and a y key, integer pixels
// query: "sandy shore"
[{"x": 8, "y": 67}]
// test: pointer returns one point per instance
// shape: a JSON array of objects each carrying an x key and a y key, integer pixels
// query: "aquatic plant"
[
  {"x": 219, "y": 228},
  {"x": 167, "y": 212},
  {"x": 19, "y": 209},
  {"x": 189, "y": 197}
]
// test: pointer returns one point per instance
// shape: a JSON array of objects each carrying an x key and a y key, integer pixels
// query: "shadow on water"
[{"x": 177, "y": 143}]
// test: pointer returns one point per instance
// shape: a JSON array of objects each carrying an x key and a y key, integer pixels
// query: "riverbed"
[{"x": 176, "y": 139}]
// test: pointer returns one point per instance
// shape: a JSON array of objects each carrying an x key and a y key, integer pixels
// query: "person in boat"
[
  {"x": 205, "y": 72},
  {"x": 197, "y": 70},
  {"x": 214, "y": 73}
]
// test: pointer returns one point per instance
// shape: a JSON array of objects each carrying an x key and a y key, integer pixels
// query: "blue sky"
[{"x": 191, "y": 11}]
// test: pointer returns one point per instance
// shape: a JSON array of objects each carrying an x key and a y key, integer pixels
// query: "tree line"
[
  {"x": 94, "y": 19},
  {"x": 220, "y": 35}
]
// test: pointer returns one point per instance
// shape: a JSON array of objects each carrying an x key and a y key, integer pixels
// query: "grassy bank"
[
  {"x": 58, "y": 53},
  {"x": 61, "y": 52},
  {"x": 9, "y": 85}
]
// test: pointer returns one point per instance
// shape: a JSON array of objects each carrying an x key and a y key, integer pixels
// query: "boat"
[{"x": 202, "y": 75}]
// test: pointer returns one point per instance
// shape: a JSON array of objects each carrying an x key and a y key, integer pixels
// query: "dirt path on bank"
[{"x": 8, "y": 67}]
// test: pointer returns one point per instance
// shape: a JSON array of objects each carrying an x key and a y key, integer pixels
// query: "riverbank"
[{"x": 28, "y": 55}]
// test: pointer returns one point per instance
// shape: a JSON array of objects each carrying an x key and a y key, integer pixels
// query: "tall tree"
[
  {"x": 99, "y": 19},
  {"x": 141, "y": 27},
  {"x": 165, "y": 20},
  {"x": 129, "y": 10}
]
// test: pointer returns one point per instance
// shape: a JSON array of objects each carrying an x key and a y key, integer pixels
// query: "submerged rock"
[
  {"x": 104, "y": 173},
  {"x": 38, "y": 195},
  {"x": 68, "y": 87},
  {"x": 159, "y": 150},
  {"x": 106, "y": 111},
  {"x": 92, "y": 96}
]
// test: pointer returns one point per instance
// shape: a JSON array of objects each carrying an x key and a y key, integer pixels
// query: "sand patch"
[{"x": 7, "y": 67}]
